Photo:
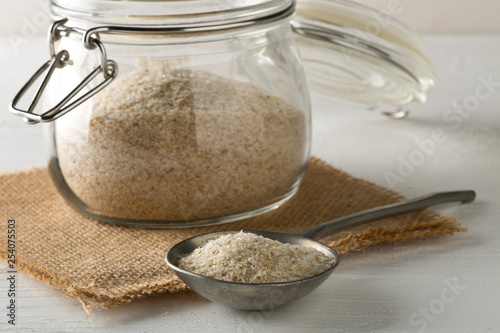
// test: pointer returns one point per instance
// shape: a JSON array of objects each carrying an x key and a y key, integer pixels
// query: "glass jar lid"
[{"x": 362, "y": 56}]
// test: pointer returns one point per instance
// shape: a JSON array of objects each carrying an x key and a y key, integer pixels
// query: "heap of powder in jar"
[
  {"x": 249, "y": 258},
  {"x": 181, "y": 144}
]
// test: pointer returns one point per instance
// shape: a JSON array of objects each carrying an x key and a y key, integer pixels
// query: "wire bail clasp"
[{"x": 59, "y": 60}]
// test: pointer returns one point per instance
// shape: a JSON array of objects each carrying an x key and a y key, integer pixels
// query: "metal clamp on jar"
[{"x": 186, "y": 116}]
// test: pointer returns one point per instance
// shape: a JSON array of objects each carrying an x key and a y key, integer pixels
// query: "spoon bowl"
[
  {"x": 249, "y": 296},
  {"x": 267, "y": 296}
]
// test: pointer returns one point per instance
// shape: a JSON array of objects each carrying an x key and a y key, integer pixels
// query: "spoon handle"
[{"x": 378, "y": 213}]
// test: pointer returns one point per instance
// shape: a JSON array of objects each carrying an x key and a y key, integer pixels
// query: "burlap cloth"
[{"x": 108, "y": 265}]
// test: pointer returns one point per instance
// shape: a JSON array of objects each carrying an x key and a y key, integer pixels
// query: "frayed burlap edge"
[
  {"x": 374, "y": 236},
  {"x": 89, "y": 299},
  {"x": 350, "y": 241},
  {"x": 346, "y": 242}
]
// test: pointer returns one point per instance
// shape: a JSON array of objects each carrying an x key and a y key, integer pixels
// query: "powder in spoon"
[{"x": 250, "y": 258}]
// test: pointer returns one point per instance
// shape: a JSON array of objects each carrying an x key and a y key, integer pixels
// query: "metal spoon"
[{"x": 265, "y": 296}]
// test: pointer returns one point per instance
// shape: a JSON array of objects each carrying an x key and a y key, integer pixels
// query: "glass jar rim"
[{"x": 174, "y": 13}]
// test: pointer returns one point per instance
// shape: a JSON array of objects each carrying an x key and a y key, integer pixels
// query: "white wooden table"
[{"x": 448, "y": 284}]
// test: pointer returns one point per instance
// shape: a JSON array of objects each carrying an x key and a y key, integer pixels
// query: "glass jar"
[{"x": 169, "y": 114}]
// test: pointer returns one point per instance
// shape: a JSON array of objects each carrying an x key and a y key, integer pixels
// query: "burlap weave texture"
[{"x": 108, "y": 265}]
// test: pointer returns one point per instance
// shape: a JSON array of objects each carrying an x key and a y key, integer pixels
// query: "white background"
[{"x": 445, "y": 16}]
